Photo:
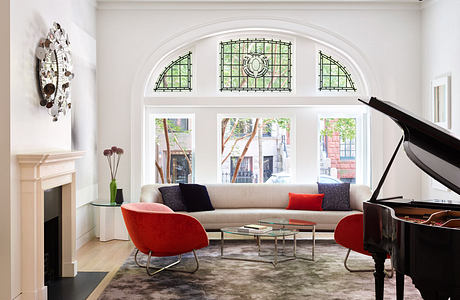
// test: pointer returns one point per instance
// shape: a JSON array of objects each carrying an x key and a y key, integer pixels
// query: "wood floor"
[
  {"x": 103, "y": 257},
  {"x": 108, "y": 256}
]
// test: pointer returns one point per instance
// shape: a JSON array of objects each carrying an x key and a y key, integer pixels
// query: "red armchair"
[
  {"x": 349, "y": 233},
  {"x": 158, "y": 231}
]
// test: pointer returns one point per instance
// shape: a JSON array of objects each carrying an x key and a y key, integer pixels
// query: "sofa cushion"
[
  {"x": 336, "y": 196},
  {"x": 172, "y": 197},
  {"x": 195, "y": 197},
  {"x": 305, "y": 201},
  {"x": 254, "y": 195}
]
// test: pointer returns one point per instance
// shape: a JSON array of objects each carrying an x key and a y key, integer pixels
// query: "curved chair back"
[
  {"x": 155, "y": 227},
  {"x": 349, "y": 233}
]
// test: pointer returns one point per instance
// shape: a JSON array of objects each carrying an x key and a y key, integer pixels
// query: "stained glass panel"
[
  {"x": 333, "y": 76},
  {"x": 177, "y": 76},
  {"x": 255, "y": 65}
]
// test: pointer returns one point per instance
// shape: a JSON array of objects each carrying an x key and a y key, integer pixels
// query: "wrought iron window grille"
[
  {"x": 333, "y": 76},
  {"x": 255, "y": 65},
  {"x": 177, "y": 76}
]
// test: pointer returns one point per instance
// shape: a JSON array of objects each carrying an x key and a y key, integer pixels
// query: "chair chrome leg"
[
  {"x": 388, "y": 273},
  {"x": 159, "y": 269},
  {"x": 135, "y": 259},
  {"x": 354, "y": 270}
]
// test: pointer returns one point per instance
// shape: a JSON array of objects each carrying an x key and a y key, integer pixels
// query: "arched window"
[
  {"x": 177, "y": 76},
  {"x": 333, "y": 76},
  {"x": 255, "y": 65}
]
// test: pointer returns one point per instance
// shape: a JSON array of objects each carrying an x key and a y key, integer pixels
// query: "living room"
[{"x": 250, "y": 95}]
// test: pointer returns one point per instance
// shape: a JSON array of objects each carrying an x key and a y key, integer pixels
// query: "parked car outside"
[
  {"x": 284, "y": 177},
  {"x": 281, "y": 177},
  {"x": 328, "y": 179}
]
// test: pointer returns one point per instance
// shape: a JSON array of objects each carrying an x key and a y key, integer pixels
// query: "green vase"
[{"x": 113, "y": 190}]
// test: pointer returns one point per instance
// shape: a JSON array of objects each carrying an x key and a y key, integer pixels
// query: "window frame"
[
  {"x": 341, "y": 67},
  {"x": 149, "y": 155},
  {"x": 246, "y": 115},
  {"x": 362, "y": 139},
  {"x": 291, "y": 57},
  {"x": 347, "y": 149},
  {"x": 157, "y": 91}
]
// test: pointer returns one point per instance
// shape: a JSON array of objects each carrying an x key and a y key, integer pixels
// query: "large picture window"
[
  {"x": 173, "y": 150},
  {"x": 255, "y": 65},
  {"x": 338, "y": 159},
  {"x": 250, "y": 155},
  {"x": 244, "y": 137}
]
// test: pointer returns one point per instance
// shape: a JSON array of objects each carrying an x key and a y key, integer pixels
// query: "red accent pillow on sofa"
[{"x": 305, "y": 201}]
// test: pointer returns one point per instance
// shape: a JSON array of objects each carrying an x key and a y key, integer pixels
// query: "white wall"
[
  {"x": 383, "y": 39},
  {"x": 84, "y": 114},
  {"x": 440, "y": 57},
  {"x": 32, "y": 129}
]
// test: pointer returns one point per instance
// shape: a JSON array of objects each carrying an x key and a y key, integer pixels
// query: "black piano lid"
[{"x": 432, "y": 148}]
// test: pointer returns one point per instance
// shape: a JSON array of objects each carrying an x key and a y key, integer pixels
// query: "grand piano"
[{"x": 421, "y": 236}]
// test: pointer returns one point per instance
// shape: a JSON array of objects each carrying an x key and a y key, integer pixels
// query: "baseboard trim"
[{"x": 86, "y": 237}]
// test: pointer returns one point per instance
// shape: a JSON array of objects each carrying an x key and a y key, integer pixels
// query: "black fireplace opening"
[{"x": 52, "y": 234}]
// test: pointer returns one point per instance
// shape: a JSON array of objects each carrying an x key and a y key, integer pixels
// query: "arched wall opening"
[{"x": 144, "y": 101}]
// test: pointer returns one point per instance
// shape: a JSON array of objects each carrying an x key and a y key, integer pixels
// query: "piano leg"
[
  {"x": 399, "y": 286},
  {"x": 379, "y": 274}
]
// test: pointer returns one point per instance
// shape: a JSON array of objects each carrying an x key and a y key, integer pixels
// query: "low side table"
[
  {"x": 276, "y": 233},
  {"x": 294, "y": 224},
  {"x": 111, "y": 223}
]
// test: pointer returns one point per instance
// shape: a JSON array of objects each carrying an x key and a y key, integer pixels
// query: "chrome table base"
[{"x": 275, "y": 261}]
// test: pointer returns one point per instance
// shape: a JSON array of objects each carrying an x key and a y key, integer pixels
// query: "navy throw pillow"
[
  {"x": 172, "y": 197},
  {"x": 196, "y": 197},
  {"x": 336, "y": 196}
]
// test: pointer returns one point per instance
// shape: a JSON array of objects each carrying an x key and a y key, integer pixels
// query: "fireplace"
[
  {"x": 40, "y": 173},
  {"x": 52, "y": 234}
]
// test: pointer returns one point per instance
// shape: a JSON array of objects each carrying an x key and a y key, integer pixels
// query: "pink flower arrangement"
[{"x": 113, "y": 157}]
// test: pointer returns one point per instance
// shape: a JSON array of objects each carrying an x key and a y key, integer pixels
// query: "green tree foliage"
[{"x": 346, "y": 127}]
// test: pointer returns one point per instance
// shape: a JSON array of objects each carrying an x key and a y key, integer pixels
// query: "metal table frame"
[
  {"x": 275, "y": 255},
  {"x": 296, "y": 228}
]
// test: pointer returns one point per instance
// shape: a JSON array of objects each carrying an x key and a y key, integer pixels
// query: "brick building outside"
[{"x": 338, "y": 157}]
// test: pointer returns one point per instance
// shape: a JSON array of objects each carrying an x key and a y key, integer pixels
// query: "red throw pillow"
[{"x": 305, "y": 201}]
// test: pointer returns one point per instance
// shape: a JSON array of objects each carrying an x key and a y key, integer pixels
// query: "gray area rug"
[{"x": 325, "y": 278}]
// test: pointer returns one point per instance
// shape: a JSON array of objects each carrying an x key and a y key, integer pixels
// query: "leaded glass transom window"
[
  {"x": 177, "y": 76},
  {"x": 333, "y": 76},
  {"x": 255, "y": 65}
]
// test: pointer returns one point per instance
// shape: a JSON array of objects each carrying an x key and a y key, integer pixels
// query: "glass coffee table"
[
  {"x": 275, "y": 233},
  {"x": 293, "y": 224}
]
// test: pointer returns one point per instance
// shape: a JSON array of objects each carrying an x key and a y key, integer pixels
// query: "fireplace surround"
[{"x": 40, "y": 172}]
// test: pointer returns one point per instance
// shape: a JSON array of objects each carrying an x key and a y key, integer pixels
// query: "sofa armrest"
[
  {"x": 358, "y": 194},
  {"x": 151, "y": 194}
]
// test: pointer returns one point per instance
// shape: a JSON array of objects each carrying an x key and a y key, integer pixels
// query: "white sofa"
[{"x": 246, "y": 203}]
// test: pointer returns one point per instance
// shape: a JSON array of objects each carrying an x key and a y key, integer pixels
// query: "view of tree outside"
[
  {"x": 173, "y": 150},
  {"x": 256, "y": 150},
  {"x": 338, "y": 148}
]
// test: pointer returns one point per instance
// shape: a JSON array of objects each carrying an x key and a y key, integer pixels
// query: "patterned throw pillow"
[
  {"x": 336, "y": 196},
  {"x": 172, "y": 197}
]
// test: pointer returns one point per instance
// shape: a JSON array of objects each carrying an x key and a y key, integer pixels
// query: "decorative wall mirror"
[
  {"x": 55, "y": 71},
  {"x": 440, "y": 90}
]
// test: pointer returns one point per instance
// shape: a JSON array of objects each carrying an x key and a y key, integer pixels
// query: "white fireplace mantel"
[{"x": 39, "y": 172}]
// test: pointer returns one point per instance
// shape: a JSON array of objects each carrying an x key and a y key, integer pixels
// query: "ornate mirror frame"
[{"x": 54, "y": 69}]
